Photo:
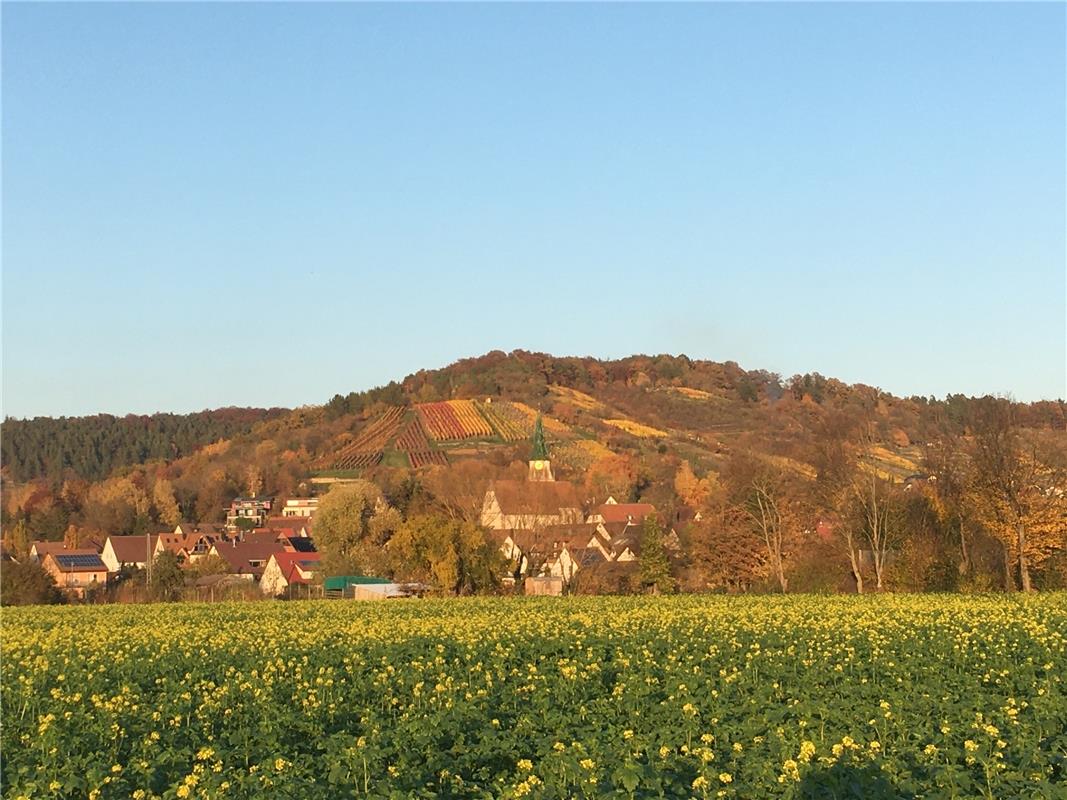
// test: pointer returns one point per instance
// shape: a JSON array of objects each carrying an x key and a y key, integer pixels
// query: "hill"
[{"x": 668, "y": 430}]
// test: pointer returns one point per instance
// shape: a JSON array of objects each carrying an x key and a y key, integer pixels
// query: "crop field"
[{"x": 752, "y": 697}]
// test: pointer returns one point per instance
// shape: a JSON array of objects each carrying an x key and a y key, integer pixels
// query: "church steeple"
[{"x": 540, "y": 466}]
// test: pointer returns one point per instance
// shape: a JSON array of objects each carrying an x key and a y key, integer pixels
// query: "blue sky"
[{"x": 210, "y": 204}]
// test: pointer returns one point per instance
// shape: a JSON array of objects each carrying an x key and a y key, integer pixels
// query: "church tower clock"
[{"x": 540, "y": 466}]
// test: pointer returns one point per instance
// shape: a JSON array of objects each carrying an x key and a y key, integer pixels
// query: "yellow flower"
[
  {"x": 725, "y": 777},
  {"x": 587, "y": 763},
  {"x": 970, "y": 746},
  {"x": 183, "y": 791},
  {"x": 930, "y": 749},
  {"x": 700, "y": 783},
  {"x": 525, "y": 764}
]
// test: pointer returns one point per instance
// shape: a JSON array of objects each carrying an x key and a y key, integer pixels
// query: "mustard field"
[{"x": 750, "y": 697}]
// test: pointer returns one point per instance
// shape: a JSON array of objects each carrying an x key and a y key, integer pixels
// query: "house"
[
  {"x": 300, "y": 507},
  {"x": 169, "y": 542},
  {"x": 248, "y": 512},
  {"x": 197, "y": 540},
  {"x": 246, "y": 558},
  {"x": 129, "y": 551},
  {"x": 39, "y": 549},
  {"x": 612, "y": 511},
  {"x": 290, "y": 526},
  {"x": 286, "y": 569},
  {"x": 551, "y": 550},
  {"x": 75, "y": 572}
]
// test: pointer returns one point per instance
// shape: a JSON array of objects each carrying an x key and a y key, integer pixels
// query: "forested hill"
[
  {"x": 92, "y": 447},
  {"x": 702, "y": 403}
]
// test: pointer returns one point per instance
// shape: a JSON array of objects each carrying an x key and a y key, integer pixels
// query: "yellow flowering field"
[{"x": 749, "y": 697}]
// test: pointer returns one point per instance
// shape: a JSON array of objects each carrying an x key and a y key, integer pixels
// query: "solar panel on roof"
[{"x": 79, "y": 560}]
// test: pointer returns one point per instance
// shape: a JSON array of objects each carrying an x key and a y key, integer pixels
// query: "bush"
[{"x": 27, "y": 583}]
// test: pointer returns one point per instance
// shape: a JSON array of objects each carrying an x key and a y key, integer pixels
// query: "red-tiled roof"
[
  {"x": 44, "y": 548},
  {"x": 535, "y": 497},
  {"x": 238, "y": 555},
  {"x": 291, "y": 563},
  {"x": 132, "y": 549},
  {"x": 623, "y": 512}
]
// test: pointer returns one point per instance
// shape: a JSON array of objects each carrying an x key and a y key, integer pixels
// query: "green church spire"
[{"x": 540, "y": 449}]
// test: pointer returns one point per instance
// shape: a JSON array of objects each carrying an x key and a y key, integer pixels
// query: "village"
[{"x": 543, "y": 534}]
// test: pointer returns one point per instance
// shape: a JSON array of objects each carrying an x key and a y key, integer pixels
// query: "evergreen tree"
[{"x": 655, "y": 567}]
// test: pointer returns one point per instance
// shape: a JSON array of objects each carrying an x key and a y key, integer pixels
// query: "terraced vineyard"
[
  {"x": 368, "y": 447},
  {"x": 453, "y": 420},
  {"x": 509, "y": 424},
  {"x": 924, "y": 697},
  {"x": 412, "y": 440}
]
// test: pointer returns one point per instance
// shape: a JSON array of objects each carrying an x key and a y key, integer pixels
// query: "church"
[{"x": 536, "y": 503}]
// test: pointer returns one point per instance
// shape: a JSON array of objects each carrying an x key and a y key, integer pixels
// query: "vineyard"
[
  {"x": 416, "y": 432},
  {"x": 509, "y": 424},
  {"x": 453, "y": 420},
  {"x": 367, "y": 448},
  {"x": 551, "y": 424},
  {"x": 635, "y": 428},
  {"x": 924, "y": 697},
  {"x": 412, "y": 440}
]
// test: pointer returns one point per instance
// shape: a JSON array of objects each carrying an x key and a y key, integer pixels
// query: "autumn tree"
[
  {"x": 352, "y": 525},
  {"x": 874, "y": 525},
  {"x": 164, "y": 503},
  {"x": 691, "y": 490},
  {"x": 1018, "y": 489},
  {"x": 460, "y": 489},
  {"x": 765, "y": 507},
  {"x": 450, "y": 553},
  {"x": 611, "y": 476}
]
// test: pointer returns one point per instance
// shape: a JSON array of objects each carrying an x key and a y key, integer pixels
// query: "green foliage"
[
  {"x": 448, "y": 553},
  {"x": 352, "y": 525},
  {"x": 27, "y": 583},
  {"x": 168, "y": 579},
  {"x": 776, "y": 698},
  {"x": 655, "y": 566},
  {"x": 93, "y": 447}
]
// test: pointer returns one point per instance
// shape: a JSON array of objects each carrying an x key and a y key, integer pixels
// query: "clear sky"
[{"x": 211, "y": 204}]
